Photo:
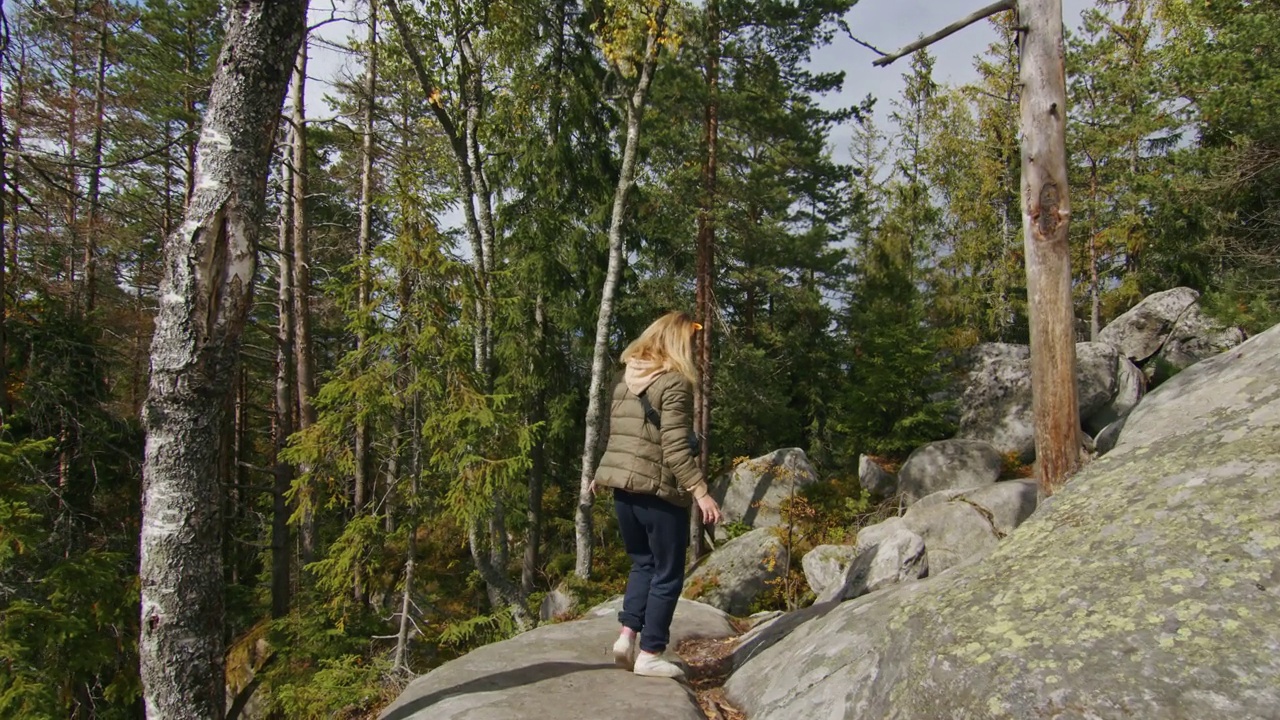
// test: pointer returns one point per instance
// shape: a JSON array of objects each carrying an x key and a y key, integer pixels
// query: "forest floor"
[{"x": 710, "y": 662}]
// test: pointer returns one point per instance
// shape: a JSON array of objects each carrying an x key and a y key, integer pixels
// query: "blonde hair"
[{"x": 668, "y": 343}]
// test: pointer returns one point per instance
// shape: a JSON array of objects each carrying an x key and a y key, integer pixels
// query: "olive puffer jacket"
[{"x": 639, "y": 457}]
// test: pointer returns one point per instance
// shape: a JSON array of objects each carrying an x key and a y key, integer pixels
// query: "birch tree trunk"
[
  {"x": 95, "y": 171},
  {"x": 281, "y": 576},
  {"x": 305, "y": 371},
  {"x": 1046, "y": 212},
  {"x": 365, "y": 243},
  {"x": 205, "y": 298},
  {"x": 4, "y": 249},
  {"x": 600, "y": 357}
]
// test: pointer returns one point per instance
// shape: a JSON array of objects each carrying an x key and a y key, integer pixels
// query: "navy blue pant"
[{"x": 656, "y": 536}]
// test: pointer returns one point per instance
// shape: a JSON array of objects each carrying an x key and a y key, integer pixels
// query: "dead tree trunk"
[
  {"x": 205, "y": 298},
  {"x": 635, "y": 104},
  {"x": 1046, "y": 212},
  {"x": 305, "y": 370}
]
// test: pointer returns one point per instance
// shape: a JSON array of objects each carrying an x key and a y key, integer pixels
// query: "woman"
[{"x": 651, "y": 463}]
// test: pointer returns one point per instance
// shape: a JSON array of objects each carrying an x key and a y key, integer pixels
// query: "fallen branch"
[{"x": 924, "y": 42}]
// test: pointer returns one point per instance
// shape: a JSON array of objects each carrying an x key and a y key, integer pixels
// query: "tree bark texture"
[
  {"x": 281, "y": 574},
  {"x": 204, "y": 302},
  {"x": 600, "y": 357},
  {"x": 706, "y": 263},
  {"x": 305, "y": 371},
  {"x": 4, "y": 247},
  {"x": 95, "y": 171},
  {"x": 365, "y": 245},
  {"x": 1046, "y": 212}
]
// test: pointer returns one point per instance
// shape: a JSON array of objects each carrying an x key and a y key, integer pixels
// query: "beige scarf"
[{"x": 641, "y": 373}]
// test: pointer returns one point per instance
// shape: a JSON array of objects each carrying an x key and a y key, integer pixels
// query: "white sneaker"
[
  {"x": 624, "y": 651},
  {"x": 650, "y": 665}
]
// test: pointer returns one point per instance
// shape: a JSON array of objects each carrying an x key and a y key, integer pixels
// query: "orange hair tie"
[{"x": 697, "y": 327}]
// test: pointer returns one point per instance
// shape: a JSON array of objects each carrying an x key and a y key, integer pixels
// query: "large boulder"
[
  {"x": 739, "y": 571},
  {"x": 1148, "y": 587},
  {"x": 1131, "y": 385},
  {"x": 877, "y": 481},
  {"x": 756, "y": 491},
  {"x": 1172, "y": 326},
  {"x": 563, "y": 671},
  {"x": 954, "y": 532},
  {"x": 887, "y": 553},
  {"x": 995, "y": 402},
  {"x": 1006, "y": 504},
  {"x": 996, "y": 399},
  {"x": 948, "y": 464},
  {"x": 825, "y": 566}
]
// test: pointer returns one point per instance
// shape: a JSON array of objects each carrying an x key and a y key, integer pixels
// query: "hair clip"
[{"x": 697, "y": 327}]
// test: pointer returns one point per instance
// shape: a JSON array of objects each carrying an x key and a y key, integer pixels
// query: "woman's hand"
[{"x": 710, "y": 510}]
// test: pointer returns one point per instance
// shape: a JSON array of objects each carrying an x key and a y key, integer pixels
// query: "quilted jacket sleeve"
[{"x": 677, "y": 428}]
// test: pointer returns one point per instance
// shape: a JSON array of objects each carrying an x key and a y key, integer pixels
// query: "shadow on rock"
[{"x": 497, "y": 682}]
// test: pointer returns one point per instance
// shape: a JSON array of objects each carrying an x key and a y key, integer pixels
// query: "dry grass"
[{"x": 710, "y": 662}]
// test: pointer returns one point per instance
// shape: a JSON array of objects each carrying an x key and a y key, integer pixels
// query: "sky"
[{"x": 886, "y": 24}]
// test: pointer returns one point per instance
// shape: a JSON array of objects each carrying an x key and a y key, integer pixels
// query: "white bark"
[
  {"x": 305, "y": 370},
  {"x": 600, "y": 357},
  {"x": 204, "y": 302}
]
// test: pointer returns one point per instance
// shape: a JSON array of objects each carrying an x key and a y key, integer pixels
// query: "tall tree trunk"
[
  {"x": 205, "y": 299},
  {"x": 1095, "y": 290},
  {"x": 4, "y": 248},
  {"x": 281, "y": 574},
  {"x": 538, "y": 456},
  {"x": 364, "y": 247},
  {"x": 706, "y": 262},
  {"x": 95, "y": 171},
  {"x": 1046, "y": 215},
  {"x": 72, "y": 217},
  {"x": 305, "y": 372},
  {"x": 478, "y": 214},
  {"x": 415, "y": 468},
  {"x": 398, "y": 662},
  {"x": 600, "y": 357}
]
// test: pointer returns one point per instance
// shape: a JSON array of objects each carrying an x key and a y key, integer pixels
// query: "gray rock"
[
  {"x": 888, "y": 553},
  {"x": 557, "y": 603},
  {"x": 996, "y": 400},
  {"x": 1109, "y": 436},
  {"x": 1008, "y": 503},
  {"x": 1096, "y": 368},
  {"x": 954, "y": 533},
  {"x": 948, "y": 464},
  {"x": 1196, "y": 337},
  {"x": 738, "y": 572},
  {"x": 1131, "y": 385},
  {"x": 876, "y": 480},
  {"x": 562, "y": 671},
  {"x": 1170, "y": 325},
  {"x": 995, "y": 403},
  {"x": 826, "y": 565},
  {"x": 1146, "y": 588},
  {"x": 1141, "y": 331},
  {"x": 755, "y": 492}
]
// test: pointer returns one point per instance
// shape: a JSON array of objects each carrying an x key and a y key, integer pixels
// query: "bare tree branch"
[{"x": 924, "y": 42}]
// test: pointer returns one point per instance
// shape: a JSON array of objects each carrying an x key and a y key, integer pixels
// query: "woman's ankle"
[{"x": 628, "y": 632}]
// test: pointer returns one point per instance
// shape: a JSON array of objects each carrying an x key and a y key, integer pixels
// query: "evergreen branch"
[{"x": 954, "y": 27}]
